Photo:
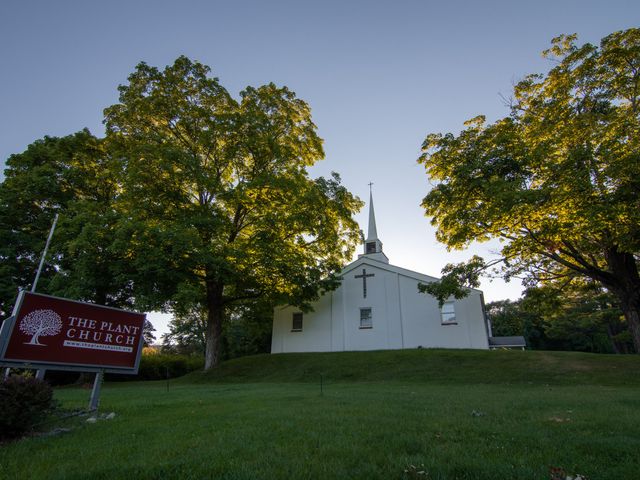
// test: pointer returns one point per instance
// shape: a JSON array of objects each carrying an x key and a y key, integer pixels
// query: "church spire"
[
  {"x": 373, "y": 245},
  {"x": 372, "y": 234}
]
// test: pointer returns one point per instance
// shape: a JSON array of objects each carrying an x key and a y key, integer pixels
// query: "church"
[{"x": 378, "y": 307}]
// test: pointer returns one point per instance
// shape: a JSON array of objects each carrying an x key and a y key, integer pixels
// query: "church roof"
[{"x": 367, "y": 260}]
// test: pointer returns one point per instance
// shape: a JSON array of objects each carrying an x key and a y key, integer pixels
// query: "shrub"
[
  {"x": 157, "y": 365},
  {"x": 24, "y": 401}
]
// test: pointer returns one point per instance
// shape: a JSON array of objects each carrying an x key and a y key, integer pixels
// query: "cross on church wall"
[{"x": 364, "y": 281}]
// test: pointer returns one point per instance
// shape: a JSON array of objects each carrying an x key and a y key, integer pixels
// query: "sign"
[{"x": 50, "y": 331}]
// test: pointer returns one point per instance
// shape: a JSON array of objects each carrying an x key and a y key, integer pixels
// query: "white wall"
[
  {"x": 316, "y": 329},
  {"x": 402, "y": 317}
]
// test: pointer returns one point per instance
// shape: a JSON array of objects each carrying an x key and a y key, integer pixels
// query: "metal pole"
[
  {"x": 44, "y": 254},
  {"x": 94, "y": 401},
  {"x": 41, "y": 372}
]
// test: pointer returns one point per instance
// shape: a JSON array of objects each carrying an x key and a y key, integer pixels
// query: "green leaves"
[
  {"x": 456, "y": 280},
  {"x": 217, "y": 196},
  {"x": 558, "y": 178},
  {"x": 560, "y": 168},
  {"x": 193, "y": 199}
]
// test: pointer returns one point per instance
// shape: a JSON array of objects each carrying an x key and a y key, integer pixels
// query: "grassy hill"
[
  {"x": 452, "y": 415},
  {"x": 431, "y": 366}
]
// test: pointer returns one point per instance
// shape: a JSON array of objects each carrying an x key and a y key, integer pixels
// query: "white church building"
[{"x": 378, "y": 307}]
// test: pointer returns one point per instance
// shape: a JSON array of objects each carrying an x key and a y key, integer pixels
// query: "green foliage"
[
  {"x": 510, "y": 318},
  {"x": 147, "y": 333},
  {"x": 247, "y": 331},
  {"x": 220, "y": 208},
  {"x": 76, "y": 177},
  {"x": 159, "y": 366},
  {"x": 579, "y": 316},
  {"x": 557, "y": 179},
  {"x": 564, "y": 316},
  {"x": 193, "y": 200},
  {"x": 455, "y": 280},
  {"x": 187, "y": 333},
  {"x": 24, "y": 401}
]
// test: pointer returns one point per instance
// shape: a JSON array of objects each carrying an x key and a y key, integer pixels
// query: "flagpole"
[
  {"x": 40, "y": 373},
  {"x": 44, "y": 254}
]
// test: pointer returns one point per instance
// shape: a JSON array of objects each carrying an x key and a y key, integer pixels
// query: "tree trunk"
[
  {"x": 611, "y": 335},
  {"x": 631, "y": 309},
  {"x": 627, "y": 288},
  {"x": 213, "y": 335}
]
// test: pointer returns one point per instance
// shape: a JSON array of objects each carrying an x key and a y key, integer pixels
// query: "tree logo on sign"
[{"x": 40, "y": 323}]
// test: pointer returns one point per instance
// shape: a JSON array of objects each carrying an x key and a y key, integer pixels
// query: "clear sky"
[{"x": 378, "y": 75}]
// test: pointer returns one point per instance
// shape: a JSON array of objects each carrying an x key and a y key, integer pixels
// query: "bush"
[
  {"x": 157, "y": 365},
  {"x": 24, "y": 401}
]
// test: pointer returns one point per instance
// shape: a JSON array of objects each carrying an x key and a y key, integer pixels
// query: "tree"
[
  {"x": 219, "y": 206},
  {"x": 76, "y": 177},
  {"x": 33, "y": 191},
  {"x": 147, "y": 333},
  {"x": 246, "y": 331},
  {"x": 558, "y": 179},
  {"x": 187, "y": 332},
  {"x": 580, "y": 316},
  {"x": 511, "y": 318}
]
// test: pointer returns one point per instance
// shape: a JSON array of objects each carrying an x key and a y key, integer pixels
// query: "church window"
[
  {"x": 296, "y": 324},
  {"x": 366, "y": 318},
  {"x": 371, "y": 247},
  {"x": 448, "y": 313}
]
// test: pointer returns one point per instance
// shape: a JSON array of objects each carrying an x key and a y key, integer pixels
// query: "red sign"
[{"x": 55, "y": 331}]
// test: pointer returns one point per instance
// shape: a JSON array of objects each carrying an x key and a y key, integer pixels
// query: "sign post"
[
  {"x": 94, "y": 401},
  {"x": 48, "y": 332}
]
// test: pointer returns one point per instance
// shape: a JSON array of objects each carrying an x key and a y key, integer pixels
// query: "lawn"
[{"x": 463, "y": 415}]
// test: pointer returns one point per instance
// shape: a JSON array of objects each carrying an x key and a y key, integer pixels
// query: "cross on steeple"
[{"x": 364, "y": 281}]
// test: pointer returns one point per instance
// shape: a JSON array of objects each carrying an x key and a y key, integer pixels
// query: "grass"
[
  {"x": 464, "y": 415},
  {"x": 444, "y": 367}
]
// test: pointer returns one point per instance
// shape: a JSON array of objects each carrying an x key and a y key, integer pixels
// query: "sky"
[{"x": 378, "y": 76}]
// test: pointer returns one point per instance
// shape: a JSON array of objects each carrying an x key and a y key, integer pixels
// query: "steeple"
[
  {"x": 373, "y": 245},
  {"x": 372, "y": 234}
]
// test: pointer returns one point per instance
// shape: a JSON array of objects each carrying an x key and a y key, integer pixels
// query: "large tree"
[
  {"x": 559, "y": 178},
  {"x": 219, "y": 204},
  {"x": 75, "y": 177}
]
